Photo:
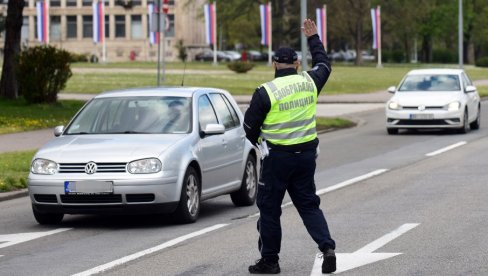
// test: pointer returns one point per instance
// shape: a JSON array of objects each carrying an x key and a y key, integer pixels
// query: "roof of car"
[
  {"x": 156, "y": 91},
  {"x": 435, "y": 71}
]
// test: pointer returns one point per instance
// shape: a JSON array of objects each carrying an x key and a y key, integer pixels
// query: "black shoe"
[
  {"x": 264, "y": 267},
  {"x": 329, "y": 263}
]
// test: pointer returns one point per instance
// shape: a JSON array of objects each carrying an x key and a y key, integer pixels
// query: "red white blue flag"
[
  {"x": 98, "y": 21},
  {"x": 151, "y": 11},
  {"x": 265, "y": 11},
  {"x": 42, "y": 21},
  {"x": 210, "y": 22},
  {"x": 376, "y": 24},
  {"x": 322, "y": 25}
]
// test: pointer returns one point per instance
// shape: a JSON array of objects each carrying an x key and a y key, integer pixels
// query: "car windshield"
[
  {"x": 128, "y": 115},
  {"x": 430, "y": 83}
]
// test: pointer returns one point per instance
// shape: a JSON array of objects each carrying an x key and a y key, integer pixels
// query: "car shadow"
[{"x": 426, "y": 132}]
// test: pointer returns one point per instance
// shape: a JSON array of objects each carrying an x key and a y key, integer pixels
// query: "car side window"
[
  {"x": 223, "y": 111},
  {"x": 206, "y": 113},
  {"x": 232, "y": 111},
  {"x": 466, "y": 81}
]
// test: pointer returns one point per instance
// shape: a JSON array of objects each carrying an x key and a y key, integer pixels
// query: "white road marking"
[
  {"x": 142, "y": 253},
  {"x": 11, "y": 239},
  {"x": 365, "y": 255},
  {"x": 338, "y": 186},
  {"x": 453, "y": 146}
]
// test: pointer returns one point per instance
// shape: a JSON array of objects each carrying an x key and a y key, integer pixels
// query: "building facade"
[{"x": 126, "y": 28}]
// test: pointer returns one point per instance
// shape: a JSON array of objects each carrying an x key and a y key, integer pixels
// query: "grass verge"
[
  {"x": 14, "y": 170},
  {"x": 15, "y": 166},
  {"x": 16, "y": 116}
]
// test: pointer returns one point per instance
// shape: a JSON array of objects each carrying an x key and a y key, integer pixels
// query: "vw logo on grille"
[
  {"x": 422, "y": 107},
  {"x": 90, "y": 167}
]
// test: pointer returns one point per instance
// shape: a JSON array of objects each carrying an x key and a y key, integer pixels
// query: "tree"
[{"x": 9, "y": 87}]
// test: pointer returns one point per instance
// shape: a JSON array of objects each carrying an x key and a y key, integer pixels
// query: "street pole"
[
  {"x": 303, "y": 16},
  {"x": 460, "y": 34},
  {"x": 159, "y": 41}
]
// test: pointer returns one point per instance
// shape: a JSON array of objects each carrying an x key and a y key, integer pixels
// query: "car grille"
[
  {"x": 46, "y": 198},
  {"x": 426, "y": 108},
  {"x": 91, "y": 199},
  {"x": 101, "y": 167},
  {"x": 422, "y": 122},
  {"x": 139, "y": 197}
]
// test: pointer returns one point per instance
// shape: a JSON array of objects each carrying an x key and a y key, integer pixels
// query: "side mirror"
[
  {"x": 58, "y": 131},
  {"x": 470, "y": 89},
  {"x": 392, "y": 89},
  {"x": 213, "y": 129}
]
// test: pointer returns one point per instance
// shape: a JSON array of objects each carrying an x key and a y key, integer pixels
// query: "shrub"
[
  {"x": 482, "y": 62},
  {"x": 240, "y": 66},
  {"x": 75, "y": 57},
  {"x": 42, "y": 72},
  {"x": 443, "y": 56}
]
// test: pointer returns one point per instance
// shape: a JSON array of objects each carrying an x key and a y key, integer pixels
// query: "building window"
[
  {"x": 107, "y": 24},
  {"x": 136, "y": 3},
  {"x": 55, "y": 3},
  {"x": 87, "y": 26},
  {"x": 120, "y": 26},
  {"x": 71, "y": 28},
  {"x": 55, "y": 28},
  {"x": 24, "y": 33},
  {"x": 170, "y": 31},
  {"x": 70, "y": 3},
  {"x": 136, "y": 27},
  {"x": 86, "y": 3}
]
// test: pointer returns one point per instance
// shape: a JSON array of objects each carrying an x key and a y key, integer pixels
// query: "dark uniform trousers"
[{"x": 293, "y": 172}]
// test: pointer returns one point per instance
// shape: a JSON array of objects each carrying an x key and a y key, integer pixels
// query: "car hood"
[
  {"x": 107, "y": 148},
  {"x": 426, "y": 98}
]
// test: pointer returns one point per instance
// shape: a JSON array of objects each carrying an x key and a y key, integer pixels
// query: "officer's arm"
[
  {"x": 321, "y": 67},
  {"x": 255, "y": 114}
]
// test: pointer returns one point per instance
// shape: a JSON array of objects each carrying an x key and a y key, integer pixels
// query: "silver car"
[
  {"x": 434, "y": 98},
  {"x": 153, "y": 150}
]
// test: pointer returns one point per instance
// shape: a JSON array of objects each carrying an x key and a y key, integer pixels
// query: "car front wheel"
[
  {"x": 47, "y": 218},
  {"x": 392, "y": 131},
  {"x": 189, "y": 206},
  {"x": 476, "y": 123},
  {"x": 465, "y": 127},
  {"x": 246, "y": 195}
]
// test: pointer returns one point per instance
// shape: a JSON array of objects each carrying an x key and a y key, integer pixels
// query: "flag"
[
  {"x": 265, "y": 11},
  {"x": 210, "y": 23},
  {"x": 153, "y": 36},
  {"x": 98, "y": 21},
  {"x": 42, "y": 21},
  {"x": 376, "y": 23},
  {"x": 322, "y": 25}
]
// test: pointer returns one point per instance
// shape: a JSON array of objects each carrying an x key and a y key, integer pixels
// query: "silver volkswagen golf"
[{"x": 151, "y": 150}]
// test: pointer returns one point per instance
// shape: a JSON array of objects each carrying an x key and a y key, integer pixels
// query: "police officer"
[{"x": 281, "y": 116}]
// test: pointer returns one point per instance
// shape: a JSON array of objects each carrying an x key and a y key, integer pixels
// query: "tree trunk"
[{"x": 9, "y": 87}]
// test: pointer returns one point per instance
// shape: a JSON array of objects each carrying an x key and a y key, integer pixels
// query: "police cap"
[{"x": 285, "y": 55}]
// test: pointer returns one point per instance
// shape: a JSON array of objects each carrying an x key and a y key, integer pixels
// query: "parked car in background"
[
  {"x": 152, "y": 150},
  {"x": 209, "y": 56},
  {"x": 233, "y": 55},
  {"x": 434, "y": 98}
]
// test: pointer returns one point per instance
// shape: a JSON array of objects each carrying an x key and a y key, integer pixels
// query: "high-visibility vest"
[{"x": 291, "y": 119}]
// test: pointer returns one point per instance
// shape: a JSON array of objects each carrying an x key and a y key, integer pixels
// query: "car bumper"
[
  {"x": 424, "y": 119},
  {"x": 129, "y": 196}
]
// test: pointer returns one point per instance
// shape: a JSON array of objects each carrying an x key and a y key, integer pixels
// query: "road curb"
[{"x": 14, "y": 194}]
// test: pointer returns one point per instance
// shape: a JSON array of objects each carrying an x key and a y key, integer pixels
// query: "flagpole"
[
  {"x": 159, "y": 42},
  {"x": 378, "y": 43},
  {"x": 104, "y": 45},
  {"x": 213, "y": 27},
  {"x": 270, "y": 27}
]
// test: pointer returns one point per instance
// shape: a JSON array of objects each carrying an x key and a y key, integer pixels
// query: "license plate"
[
  {"x": 425, "y": 116},
  {"x": 88, "y": 187}
]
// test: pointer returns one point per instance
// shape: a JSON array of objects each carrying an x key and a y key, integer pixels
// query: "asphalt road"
[{"x": 419, "y": 194}]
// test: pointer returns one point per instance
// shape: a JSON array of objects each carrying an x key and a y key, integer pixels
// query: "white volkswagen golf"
[
  {"x": 434, "y": 98},
  {"x": 145, "y": 150}
]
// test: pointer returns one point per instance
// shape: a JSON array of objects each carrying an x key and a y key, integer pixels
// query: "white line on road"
[
  {"x": 11, "y": 239},
  {"x": 339, "y": 186},
  {"x": 453, "y": 146},
  {"x": 140, "y": 254}
]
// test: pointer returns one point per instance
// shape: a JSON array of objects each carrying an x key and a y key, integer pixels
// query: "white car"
[
  {"x": 434, "y": 98},
  {"x": 151, "y": 150}
]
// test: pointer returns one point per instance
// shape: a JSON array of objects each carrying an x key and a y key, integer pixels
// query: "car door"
[
  {"x": 212, "y": 152},
  {"x": 472, "y": 98},
  {"x": 234, "y": 137}
]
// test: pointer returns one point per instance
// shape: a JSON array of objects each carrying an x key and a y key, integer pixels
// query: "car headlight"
[
  {"x": 394, "y": 105},
  {"x": 44, "y": 166},
  {"x": 150, "y": 165},
  {"x": 453, "y": 106}
]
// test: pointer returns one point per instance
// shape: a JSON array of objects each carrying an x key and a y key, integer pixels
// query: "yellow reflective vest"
[{"x": 291, "y": 119}]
